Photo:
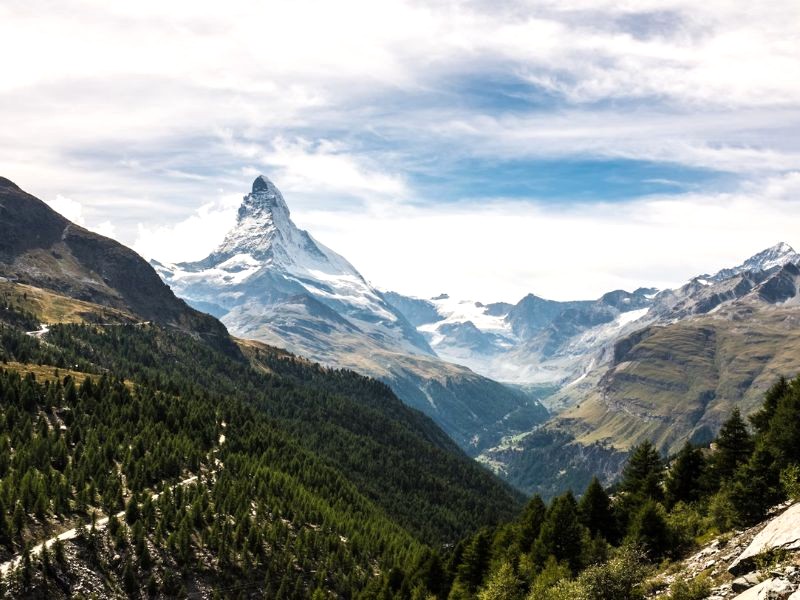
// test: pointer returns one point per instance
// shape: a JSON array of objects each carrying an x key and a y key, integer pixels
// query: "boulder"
[
  {"x": 771, "y": 589},
  {"x": 745, "y": 582},
  {"x": 781, "y": 532}
]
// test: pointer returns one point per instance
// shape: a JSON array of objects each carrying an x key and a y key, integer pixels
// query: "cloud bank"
[{"x": 482, "y": 148}]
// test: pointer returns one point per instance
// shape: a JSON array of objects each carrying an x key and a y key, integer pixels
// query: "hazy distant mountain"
[
  {"x": 712, "y": 344},
  {"x": 271, "y": 281},
  {"x": 534, "y": 342}
]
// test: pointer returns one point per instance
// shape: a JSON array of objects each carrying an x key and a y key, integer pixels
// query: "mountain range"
[
  {"x": 715, "y": 343},
  {"x": 612, "y": 371},
  {"x": 663, "y": 365}
]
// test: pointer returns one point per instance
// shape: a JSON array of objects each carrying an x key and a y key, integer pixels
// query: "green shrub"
[
  {"x": 688, "y": 523},
  {"x": 790, "y": 481},
  {"x": 696, "y": 589},
  {"x": 551, "y": 575},
  {"x": 722, "y": 511}
]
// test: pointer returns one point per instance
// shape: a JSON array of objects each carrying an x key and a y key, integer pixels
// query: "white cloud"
[
  {"x": 74, "y": 211},
  {"x": 321, "y": 166},
  {"x": 147, "y": 110},
  {"x": 503, "y": 250},
  {"x": 68, "y": 208},
  {"x": 191, "y": 238},
  {"x": 105, "y": 228}
]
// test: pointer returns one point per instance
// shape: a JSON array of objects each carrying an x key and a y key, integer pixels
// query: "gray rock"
[
  {"x": 771, "y": 589},
  {"x": 745, "y": 582},
  {"x": 782, "y": 532}
]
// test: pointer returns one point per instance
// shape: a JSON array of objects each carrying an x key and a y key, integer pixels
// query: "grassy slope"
[
  {"x": 683, "y": 380},
  {"x": 668, "y": 384}
]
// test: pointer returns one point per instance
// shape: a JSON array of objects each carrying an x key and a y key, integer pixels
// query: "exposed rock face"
[
  {"x": 40, "y": 247},
  {"x": 738, "y": 554},
  {"x": 776, "y": 588},
  {"x": 781, "y": 533}
]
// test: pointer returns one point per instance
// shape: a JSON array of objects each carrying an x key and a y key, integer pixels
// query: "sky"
[{"x": 483, "y": 149}]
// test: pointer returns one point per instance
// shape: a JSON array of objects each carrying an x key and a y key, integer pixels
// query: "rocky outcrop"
[
  {"x": 780, "y": 533},
  {"x": 759, "y": 563},
  {"x": 773, "y": 588},
  {"x": 39, "y": 247}
]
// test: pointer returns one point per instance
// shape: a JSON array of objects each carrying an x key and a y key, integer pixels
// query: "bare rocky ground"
[{"x": 759, "y": 563}]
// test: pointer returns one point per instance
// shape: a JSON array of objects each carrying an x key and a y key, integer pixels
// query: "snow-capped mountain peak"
[
  {"x": 777, "y": 255},
  {"x": 265, "y": 261},
  {"x": 264, "y": 229}
]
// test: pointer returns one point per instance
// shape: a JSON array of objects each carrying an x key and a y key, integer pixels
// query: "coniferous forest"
[{"x": 170, "y": 467}]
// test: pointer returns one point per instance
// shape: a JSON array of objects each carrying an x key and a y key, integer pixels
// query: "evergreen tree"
[
  {"x": 783, "y": 433},
  {"x": 562, "y": 536},
  {"x": 132, "y": 510},
  {"x": 761, "y": 419},
  {"x": 502, "y": 584},
  {"x": 642, "y": 475},
  {"x": 594, "y": 511},
  {"x": 129, "y": 581},
  {"x": 649, "y": 530},
  {"x": 474, "y": 561},
  {"x": 756, "y": 486},
  {"x": 733, "y": 446},
  {"x": 683, "y": 483},
  {"x": 6, "y": 533},
  {"x": 530, "y": 523}
]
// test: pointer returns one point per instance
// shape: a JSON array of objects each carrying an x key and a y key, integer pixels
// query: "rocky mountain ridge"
[
  {"x": 698, "y": 352},
  {"x": 41, "y": 248}
]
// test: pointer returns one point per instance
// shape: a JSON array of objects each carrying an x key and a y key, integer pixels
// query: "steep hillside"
[
  {"x": 238, "y": 466},
  {"x": 327, "y": 457},
  {"x": 41, "y": 248}
]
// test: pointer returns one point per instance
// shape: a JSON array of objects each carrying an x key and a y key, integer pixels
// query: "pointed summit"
[
  {"x": 262, "y": 184},
  {"x": 265, "y": 201},
  {"x": 774, "y": 256}
]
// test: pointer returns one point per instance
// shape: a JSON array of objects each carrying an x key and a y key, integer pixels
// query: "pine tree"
[
  {"x": 733, "y": 446},
  {"x": 530, "y": 523},
  {"x": 683, "y": 483},
  {"x": 18, "y": 519},
  {"x": 761, "y": 419},
  {"x": 132, "y": 510},
  {"x": 5, "y": 527},
  {"x": 783, "y": 433},
  {"x": 474, "y": 561},
  {"x": 503, "y": 584},
  {"x": 756, "y": 486},
  {"x": 594, "y": 511},
  {"x": 649, "y": 530},
  {"x": 562, "y": 535},
  {"x": 642, "y": 476}
]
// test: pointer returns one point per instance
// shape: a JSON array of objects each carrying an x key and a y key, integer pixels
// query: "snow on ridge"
[{"x": 461, "y": 311}]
